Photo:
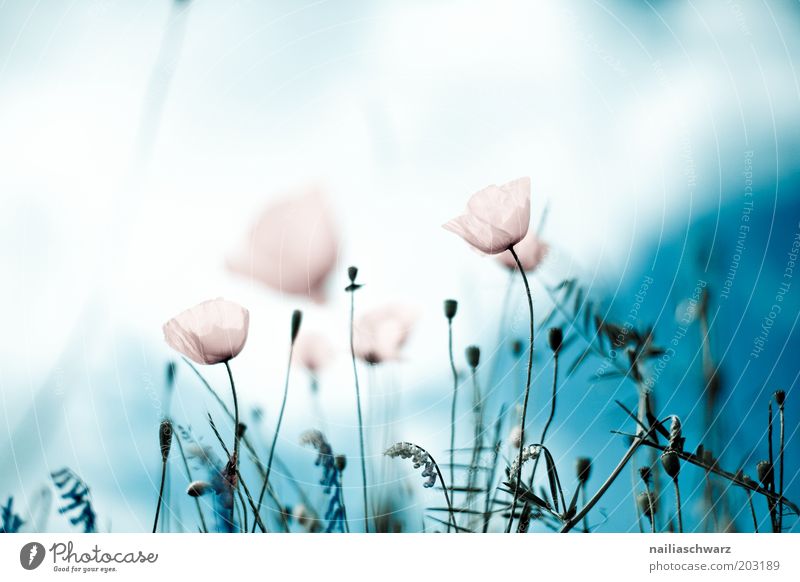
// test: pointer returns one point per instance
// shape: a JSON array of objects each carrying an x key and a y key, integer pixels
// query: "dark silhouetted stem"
[
  {"x": 678, "y": 504},
  {"x": 752, "y": 510},
  {"x": 637, "y": 442},
  {"x": 160, "y": 493},
  {"x": 527, "y": 393}
]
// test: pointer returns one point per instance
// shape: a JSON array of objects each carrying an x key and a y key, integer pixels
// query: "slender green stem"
[
  {"x": 651, "y": 507},
  {"x": 780, "y": 461},
  {"x": 189, "y": 478},
  {"x": 550, "y": 418},
  {"x": 583, "y": 500},
  {"x": 637, "y": 442},
  {"x": 752, "y": 509},
  {"x": 452, "y": 406},
  {"x": 235, "y": 427},
  {"x": 772, "y": 505},
  {"x": 160, "y": 493},
  {"x": 527, "y": 393},
  {"x": 733, "y": 478},
  {"x": 360, "y": 418},
  {"x": 275, "y": 436},
  {"x": 678, "y": 503}
]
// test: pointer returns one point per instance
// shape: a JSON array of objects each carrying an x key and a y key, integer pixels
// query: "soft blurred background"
[{"x": 140, "y": 140}]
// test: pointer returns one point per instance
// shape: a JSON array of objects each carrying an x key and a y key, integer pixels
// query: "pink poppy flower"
[
  {"x": 313, "y": 351},
  {"x": 496, "y": 217},
  {"x": 293, "y": 246},
  {"x": 209, "y": 333},
  {"x": 380, "y": 334},
  {"x": 531, "y": 251}
]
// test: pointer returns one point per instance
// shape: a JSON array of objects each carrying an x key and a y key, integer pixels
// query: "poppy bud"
[
  {"x": 556, "y": 338},
  {"x": 352, "y": 273},
  {"x": 583, "y": 468},
  {"x": 165, "y": 438},
  {"x": 341, "y": 462},
  {"x": 671, "y": 463},
  {"x": 297, "y": 319},
  {"x": 765, "y": 473},
  {"x": 473, "y": 356},
  {"x": 780, "y": 397},
  {"x": 450, "y": 308}
]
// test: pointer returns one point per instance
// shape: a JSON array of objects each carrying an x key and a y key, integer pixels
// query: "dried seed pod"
[
  {"x": 450, "y": 308},
  {"x": 671, "y": 463},
  {"x": 516, "y": 348},
  {"x": 165, "y": 438},
  {"x": 675, "y": 438},
  {"x": 780, "y": 397},
  {"x": 645, "y": 473}
]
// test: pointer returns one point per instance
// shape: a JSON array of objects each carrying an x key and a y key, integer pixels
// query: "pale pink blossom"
[
  {"x": 496, "y": 217},
  {"x": 313, "y": 351},
  {"x": 209, "y": 333},
  {"x": 531, "y": 251},
  {"x": 292, "y": 247},
  {"x": 380, "y": 334}
]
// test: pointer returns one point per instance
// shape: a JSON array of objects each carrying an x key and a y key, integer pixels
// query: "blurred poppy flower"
[{"x": 292, "y": 247}]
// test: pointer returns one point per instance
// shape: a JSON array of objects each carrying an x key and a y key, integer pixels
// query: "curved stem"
[
  {"x": 453, "y": 406},
  {"x": 678, "y": 504},
  {"x": 235, "y": 427},
  {"x": 160, "y": 494},
  {"x": 360, "y": 419},
  {"x": 444, "y": 489},
  {"x": 637, "y": 442},
  {"x": 550, "y": 418},
  {"x": 527, "y": 392},
  {"x": 651, "y": 507},
  {"x": 275, "y": 437}
]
